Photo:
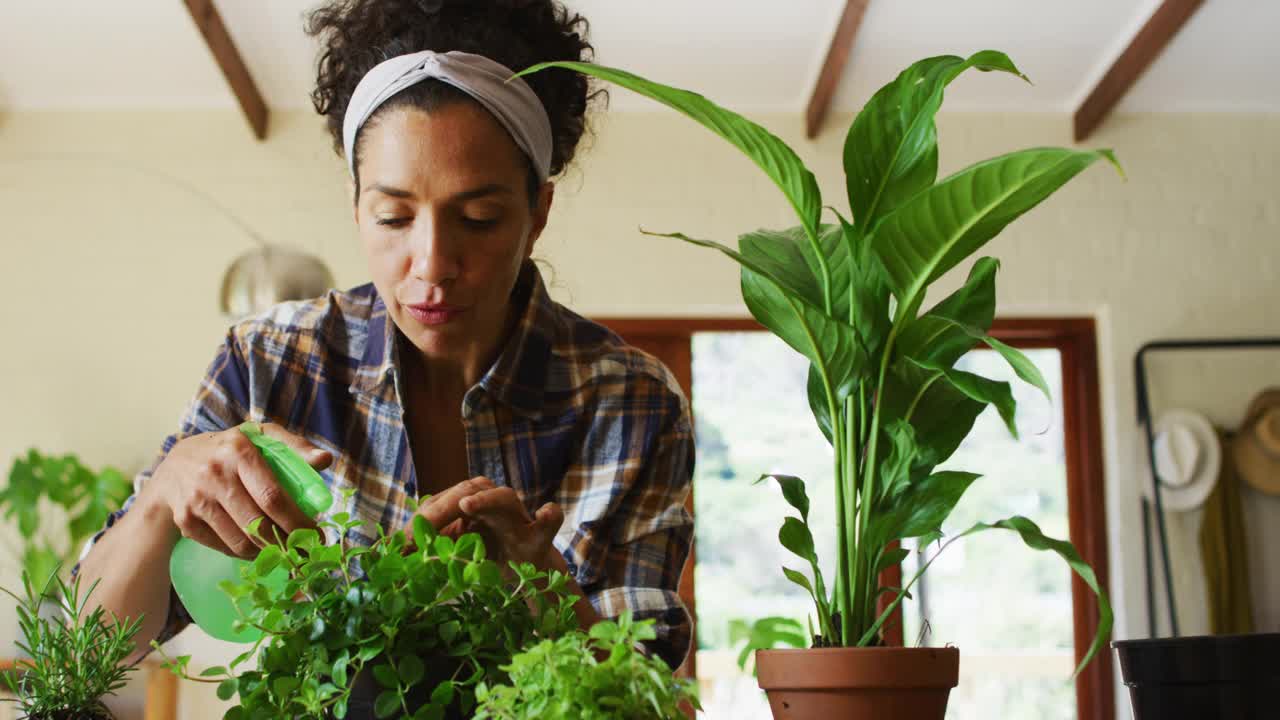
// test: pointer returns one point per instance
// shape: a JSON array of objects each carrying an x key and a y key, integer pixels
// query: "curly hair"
[{"x": 356, "y": 35}]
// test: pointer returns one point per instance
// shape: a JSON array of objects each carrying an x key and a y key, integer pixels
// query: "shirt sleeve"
[
  {"x": 219, "y": 404},
  {"x": 650, "y": 531}
]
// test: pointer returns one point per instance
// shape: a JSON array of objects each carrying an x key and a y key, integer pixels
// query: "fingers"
[
  {"x": 258, "y": 486},
  {"x": 444, "y": 507},
  {"x": 547, "y": 520},
  {"x": 244, "y": 509},
  {"x": 500, "y": 506},
  {"x": 500, "y": 517},
  {"x": 200, "y": 531},
  {"x": 315, "y": 457},
  {"x": 456, "y": 529},
  {"x": 232, "y": 534}
]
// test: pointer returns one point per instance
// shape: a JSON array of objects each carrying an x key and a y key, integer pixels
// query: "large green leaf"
[
  {"x": 983, "y": 390},
  {"x": 772, "y": 155},
  {"x": 1021, "y": 364},
  {"x": 825, "y": 341},
  {"x": 895, "y": 470},
  {"x": 859, "y": 294},
  {"x": 789, "y": 257},
  {"x": 941, "y": 415},
  {"x": 938, "y": 228},
  {"x": 919, "y": 510},
  {"x": 1035, "y": 539},
  {"x": 891, "y": 151},
  {"x": 868, "y": 291},
  {"x": 818, "y": 402},
  {"x": 829, "y": 343},
  {"x": 940, "y": 336}
]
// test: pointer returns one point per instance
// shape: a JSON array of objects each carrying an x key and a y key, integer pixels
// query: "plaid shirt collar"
[{"x": 517, "y": 378}]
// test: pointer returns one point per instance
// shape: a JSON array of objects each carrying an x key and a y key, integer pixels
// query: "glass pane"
[
  {"x": 1007, "y": 607},
  {"x": 753, "y": 418}
]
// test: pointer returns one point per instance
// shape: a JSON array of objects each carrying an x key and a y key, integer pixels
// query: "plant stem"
[
  {"x": 847, "y": 484},
  {"x": 867, "y": 495},
  {"x": 822, "y": 265},
  {"x": 820, "y": 599},
  {"x": 842, "y": 501},
  {"x": 904, "y": 590}
]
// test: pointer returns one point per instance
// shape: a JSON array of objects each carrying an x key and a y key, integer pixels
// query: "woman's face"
[{"x": 446, "y": 222}]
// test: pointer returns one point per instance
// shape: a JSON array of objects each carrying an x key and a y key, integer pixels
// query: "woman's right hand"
[{"x": 214, "y": 485}]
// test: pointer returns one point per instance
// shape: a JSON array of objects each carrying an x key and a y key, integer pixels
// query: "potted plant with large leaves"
[{"x": 883, "y": 384}]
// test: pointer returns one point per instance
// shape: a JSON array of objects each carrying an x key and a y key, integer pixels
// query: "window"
[{"x": 752, "y": 417}]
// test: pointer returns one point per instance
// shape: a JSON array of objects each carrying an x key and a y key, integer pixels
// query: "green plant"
[
  {"x": 329, "y": 612},
  {"x": 86, "y": 496},
  {"x": 75, "y": 660},
  {"x": 600, "y": 675},
  {"x": 848, "y": 295},
  {"x": 765, "y": 633}
]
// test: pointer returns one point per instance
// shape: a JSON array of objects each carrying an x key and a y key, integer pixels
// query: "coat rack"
[{"x": 1144, "y": 420}]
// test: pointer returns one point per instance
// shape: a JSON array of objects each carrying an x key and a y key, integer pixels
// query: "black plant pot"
[{"x": 1235, "y": 677}]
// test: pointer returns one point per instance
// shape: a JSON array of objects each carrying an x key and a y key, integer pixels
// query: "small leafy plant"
[
  {"x": 86, "y": 496},
  {"x": 849, "y": 295},
  {"x": 331, "y": 612},
  {"x": 75, "y": 660},
  {"x": 601, "y": 675},
  {"x": 765, "y": 633}
]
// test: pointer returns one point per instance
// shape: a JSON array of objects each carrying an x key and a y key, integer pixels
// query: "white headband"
[{"x": 510, "y": 100}]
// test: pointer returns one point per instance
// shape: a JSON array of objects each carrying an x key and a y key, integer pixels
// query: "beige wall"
[{"x": 111, "y": 264}]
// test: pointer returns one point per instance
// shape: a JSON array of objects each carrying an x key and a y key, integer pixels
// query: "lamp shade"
[{"x": 268, "y": 275}]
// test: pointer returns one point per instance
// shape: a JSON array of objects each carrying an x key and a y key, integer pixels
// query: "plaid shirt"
[{"x": 568, "y": 413}]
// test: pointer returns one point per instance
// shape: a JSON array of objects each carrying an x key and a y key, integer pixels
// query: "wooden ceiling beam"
[
  {"x": 1145, "y": 47},
  {"x": 833, "y": 66},
  {"x": 210, "y": 24}
]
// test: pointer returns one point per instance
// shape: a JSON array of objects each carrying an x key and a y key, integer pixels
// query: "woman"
[{"x": 452, "y": 374}]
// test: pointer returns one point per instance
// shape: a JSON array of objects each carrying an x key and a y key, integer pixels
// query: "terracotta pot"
[{"x": 856, "y": 683}]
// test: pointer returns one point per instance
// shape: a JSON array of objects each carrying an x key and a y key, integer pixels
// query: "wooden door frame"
[{"x": 1075, "y": 338}]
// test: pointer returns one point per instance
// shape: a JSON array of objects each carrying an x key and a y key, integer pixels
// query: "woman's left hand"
[{"x": 510, "y": 535}]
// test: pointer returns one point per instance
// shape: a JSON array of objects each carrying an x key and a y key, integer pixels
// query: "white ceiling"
[{"x": 753, "y": 55}]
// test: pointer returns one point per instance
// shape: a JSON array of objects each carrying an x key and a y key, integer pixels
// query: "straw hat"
[
  {"x": 1256, "y": 448},
  {"x": 1188, "y": 457}
]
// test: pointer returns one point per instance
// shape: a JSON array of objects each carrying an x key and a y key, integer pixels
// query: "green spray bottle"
[{"x": 196, "y": 570}]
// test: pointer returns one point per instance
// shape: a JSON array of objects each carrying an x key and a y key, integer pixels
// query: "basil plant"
[{"x": 849, "y": 295}]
